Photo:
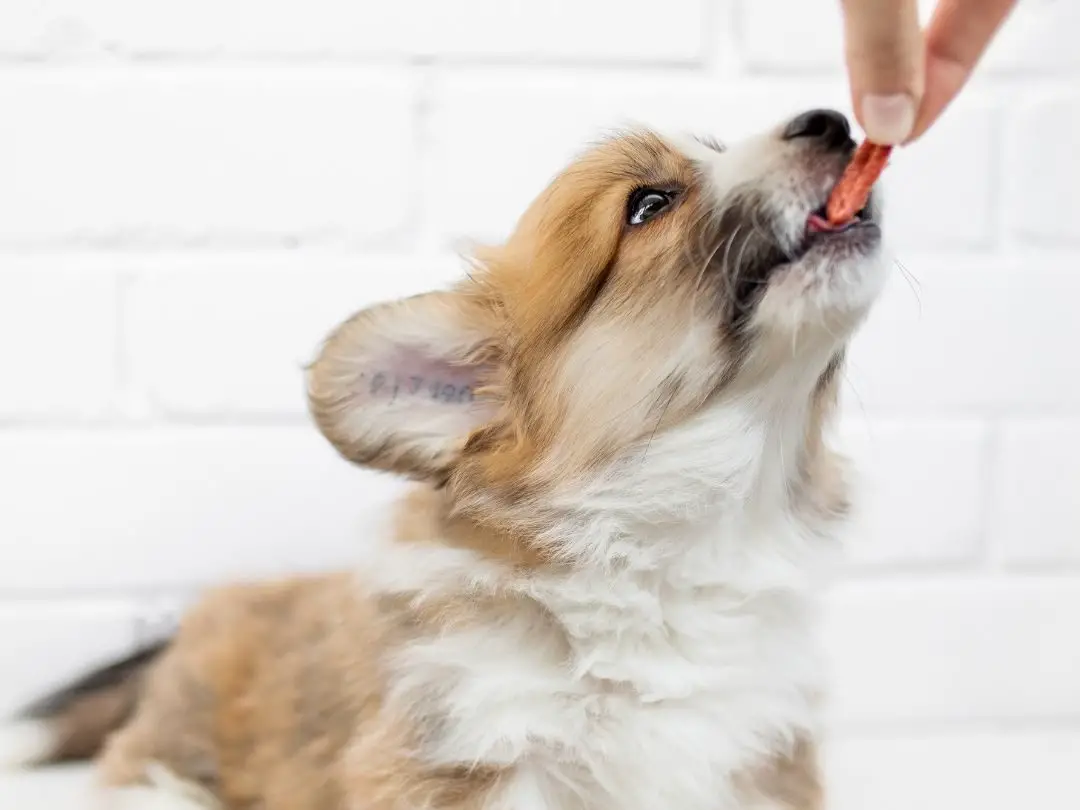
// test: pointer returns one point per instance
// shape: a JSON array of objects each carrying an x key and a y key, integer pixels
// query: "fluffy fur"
[
  {"x": 25, "y": 742},
  {"x": 601, "y": 594}
]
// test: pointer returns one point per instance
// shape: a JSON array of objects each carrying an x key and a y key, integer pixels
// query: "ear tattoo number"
[{"x": 385, "y": 384}]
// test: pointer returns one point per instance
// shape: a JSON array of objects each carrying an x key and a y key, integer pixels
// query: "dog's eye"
[{"x": 646, "y": 203}]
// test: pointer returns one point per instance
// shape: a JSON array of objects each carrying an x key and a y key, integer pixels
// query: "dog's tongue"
[{"x": 818, "y": 224}]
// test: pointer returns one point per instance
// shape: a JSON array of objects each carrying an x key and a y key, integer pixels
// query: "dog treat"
[{"x": 851, "y": 192}]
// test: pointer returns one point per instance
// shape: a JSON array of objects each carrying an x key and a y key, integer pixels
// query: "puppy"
[{"x": 600, "y": 593}]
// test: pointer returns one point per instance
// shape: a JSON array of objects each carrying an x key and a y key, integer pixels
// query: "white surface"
[
  {"x": 252, "y": 153},
  {"x": 24, "y": 742},
  {"x": 941, "y": 772},
  {"x": 506, "y": 29},
  {"x": 191, "y": 196},
  {"x": 59, "y": 789}
]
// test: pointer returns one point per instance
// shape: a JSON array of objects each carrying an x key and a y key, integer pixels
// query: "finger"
[
  {"x": 884, "y": 50},
  {"x": 959, "y": 33}
]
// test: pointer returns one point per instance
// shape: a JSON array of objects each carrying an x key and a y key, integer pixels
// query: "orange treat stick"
[{"x": 851, "y": 192}]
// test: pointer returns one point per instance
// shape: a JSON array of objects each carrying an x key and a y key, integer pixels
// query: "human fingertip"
[{"x": 887, "y": 119}]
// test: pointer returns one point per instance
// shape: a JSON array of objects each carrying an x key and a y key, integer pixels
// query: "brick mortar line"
[
  {"x": 985, "y": 87},
  {"x": 119, "y": 422},
  {"x": 994, "y": 554},
  {"x": 245, "y": 61},
  {"x": 998, "y": 727}
]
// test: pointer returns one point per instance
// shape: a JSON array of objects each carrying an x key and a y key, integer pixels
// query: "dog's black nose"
[{"x": 828, "y": 126}]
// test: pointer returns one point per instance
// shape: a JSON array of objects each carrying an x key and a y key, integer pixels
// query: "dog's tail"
[{"x": 74, "y": 722}]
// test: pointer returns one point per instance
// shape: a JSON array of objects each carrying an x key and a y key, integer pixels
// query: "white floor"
[
  {"x": 981, "y": 771},
  {"x": 56, "y": 789}
]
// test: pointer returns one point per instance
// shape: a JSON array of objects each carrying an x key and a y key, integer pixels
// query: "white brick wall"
[
  {"x": 191, "y": 192},
  {"x": 119, "y": 156}
]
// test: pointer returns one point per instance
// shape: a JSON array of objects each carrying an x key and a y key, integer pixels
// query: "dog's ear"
[{"x": 400, "y": 386}]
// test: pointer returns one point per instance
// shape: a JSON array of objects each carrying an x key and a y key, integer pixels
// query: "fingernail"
[{"x": 888, "y": 120}]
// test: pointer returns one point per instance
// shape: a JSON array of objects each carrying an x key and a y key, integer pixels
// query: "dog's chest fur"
[{"x": 655, "y": 684}]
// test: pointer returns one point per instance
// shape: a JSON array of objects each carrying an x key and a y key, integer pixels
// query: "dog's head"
[{"x": 662, "y": 299}]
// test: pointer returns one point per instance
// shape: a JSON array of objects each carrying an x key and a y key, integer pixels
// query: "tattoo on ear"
[{"x": 391, "y": 386}]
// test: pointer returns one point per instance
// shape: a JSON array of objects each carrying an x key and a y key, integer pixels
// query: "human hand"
[{"x": 903, "y": 78}]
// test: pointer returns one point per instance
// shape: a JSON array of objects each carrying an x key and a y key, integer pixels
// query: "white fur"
[
  {"x": 835, "y": 292},
  {"x": 676, "y": 649},
  {"x": 23, "y": 743},
  {"x": 166, "y": 791},
  {"x": 145, "y": 798},
  {"x": 691, "y": 650}
]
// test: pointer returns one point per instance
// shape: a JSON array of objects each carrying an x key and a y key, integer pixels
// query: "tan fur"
[
  {"x": 277, "y": 695},
  {"x": 79, "y": 729},
  {"x": 262, "y": 689},
  {"x": 786, "y": 782},
  {"x": 543, "y": 282},
  {"x": 424, "y": 516},
  {"x": 270, "y": 698},
  {"x": 271, "y": 694}
]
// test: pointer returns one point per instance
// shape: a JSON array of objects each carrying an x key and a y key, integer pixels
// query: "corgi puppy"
[{"x": 600, "y": 594}]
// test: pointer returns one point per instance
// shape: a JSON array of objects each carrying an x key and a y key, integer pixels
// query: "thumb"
[{"x": 884, "y": 50}]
